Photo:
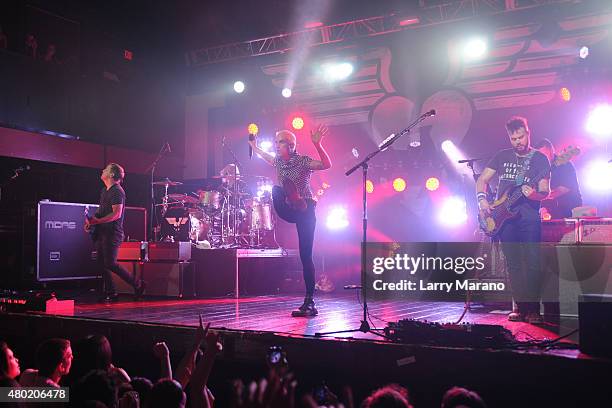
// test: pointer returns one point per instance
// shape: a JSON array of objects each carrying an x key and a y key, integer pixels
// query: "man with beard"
[{"x": 520, "y": 236}]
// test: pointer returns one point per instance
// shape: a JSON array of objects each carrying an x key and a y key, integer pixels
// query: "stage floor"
[{"x": 336, "y": 312}]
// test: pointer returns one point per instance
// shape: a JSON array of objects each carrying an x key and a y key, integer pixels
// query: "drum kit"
[{"x": 224, "y": 216}]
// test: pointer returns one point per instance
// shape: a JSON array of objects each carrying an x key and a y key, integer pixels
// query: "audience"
[
  {"x": 54, "y": 359},
  {"x": 95, "y": 353},
  {"x": 167, "y": 393},
  {"x": 458, "y": 397},
  {"x": 97, "y": 383},
  {"x": 390, "y": 396},
  {"x": 9, "y": 367}
]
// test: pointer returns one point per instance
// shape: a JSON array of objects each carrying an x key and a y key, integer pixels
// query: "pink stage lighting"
[
  {"x": 453, "y": 212},
  {"x": 599, "y": 121}
]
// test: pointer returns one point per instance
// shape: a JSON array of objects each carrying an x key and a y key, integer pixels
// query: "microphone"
[
  {"x": 251, "y": 138},
  {"x": 468, "y": 160},
  {"x": 430, "y": 113}
]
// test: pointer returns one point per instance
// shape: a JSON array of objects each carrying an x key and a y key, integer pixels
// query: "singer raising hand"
[{"x": 293, "y": 198}]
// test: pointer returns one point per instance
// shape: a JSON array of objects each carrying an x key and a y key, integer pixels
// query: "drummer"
[{"x": 230, "y": 173}]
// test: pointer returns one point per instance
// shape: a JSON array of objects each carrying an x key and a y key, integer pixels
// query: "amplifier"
[
  {"x": 133, "y": 251},
  {"x": 595, "y": 324},
  {"x": 563, "y": 231},
  {"x": 173, "y": 279},
  {"x": 596, "y": 231},
  {"x": 170, "y": 251},
  {"x": 63, "y": 249}
]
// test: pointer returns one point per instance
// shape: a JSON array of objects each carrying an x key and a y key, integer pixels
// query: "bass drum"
[{"x": 260, "y": 217}]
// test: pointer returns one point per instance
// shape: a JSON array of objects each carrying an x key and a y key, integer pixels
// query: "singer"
[{"x": 294, "y": 201}]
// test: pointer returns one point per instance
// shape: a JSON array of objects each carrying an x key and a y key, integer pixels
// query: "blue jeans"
[
  {"x": 520, "y": 240},
  {"x": 305, "y": 223}
]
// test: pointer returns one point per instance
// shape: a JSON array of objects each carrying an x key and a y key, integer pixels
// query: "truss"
[{"x": 430, "y": 12}]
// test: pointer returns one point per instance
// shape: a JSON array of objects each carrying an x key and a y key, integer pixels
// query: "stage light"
[
  {"x": 408, "y": 21},
  {"x": 239, "y": 86},
  {"x": 584, "y": 52},
  {"x": 337, "y": 218},
  {"x": 599, "y": 121},
  {"x": 313, "y": 24},
  {"x": 565, "y": 94},
  {"x": 598, "y": 176},
  {"x": 474, "y": 49},
  {"x": 399, "y": 184},
  {"x": 337, "y": 71},
  {"x": 453, "y": 212},
  {"x": 452, "y": 151},
  {"x": 432, "y": 184},
  {"x": 253, "y": 129},
  {"x": 447, "y": 146},
  {"x": 369, "y": 187},
  {"x": 297, "y": 123},
  {"x": 286, "y": 92}
]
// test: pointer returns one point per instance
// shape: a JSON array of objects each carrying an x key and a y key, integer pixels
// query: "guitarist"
[
  {"x": 108, "y": 231},
  {"x": 520, "y": 236},
  {"x": 294, "y": 201},
  {"x": 565, "y": 191}
]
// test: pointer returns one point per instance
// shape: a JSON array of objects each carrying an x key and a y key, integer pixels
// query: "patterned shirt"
[{"x": 295, "y": 169}]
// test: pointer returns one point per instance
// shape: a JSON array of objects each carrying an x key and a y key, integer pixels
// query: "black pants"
[
  {"x": 107, "y": 249},
  {"x": 521, "y": 245},
  {"x": 305, "y": 223}
]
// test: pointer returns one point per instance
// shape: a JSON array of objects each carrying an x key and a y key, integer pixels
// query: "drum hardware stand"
[
  {"x": 365, "y": 326},
  {"x": 234, "y": 201},
  {"x": 153, "y": 215}
]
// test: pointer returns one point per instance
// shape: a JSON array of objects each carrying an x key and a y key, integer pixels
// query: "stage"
[
  {"x": 336, "y": 313},
  {"x": 251, "y": 324}
]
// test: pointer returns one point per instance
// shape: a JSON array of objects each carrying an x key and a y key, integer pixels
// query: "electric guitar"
[
  {"x": 91, "y": 229},
  {"x": 502, "y": 209}
]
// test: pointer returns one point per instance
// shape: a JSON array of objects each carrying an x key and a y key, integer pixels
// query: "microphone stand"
[
  {"x": 153, "y": 214},
  {"x": 365, "y": 326}
]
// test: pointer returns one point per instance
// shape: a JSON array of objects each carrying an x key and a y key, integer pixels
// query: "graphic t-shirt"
[{"x": 508, "y": 166}]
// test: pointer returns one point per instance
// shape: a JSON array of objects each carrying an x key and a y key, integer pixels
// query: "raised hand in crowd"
[
  {"x": 160, "y": 350},
  {"x": 185, "y": 368}
]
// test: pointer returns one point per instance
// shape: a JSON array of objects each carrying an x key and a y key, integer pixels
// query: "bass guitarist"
[
  {"x": 294, "y": 201},
  {"x": 520, "y": 236}
]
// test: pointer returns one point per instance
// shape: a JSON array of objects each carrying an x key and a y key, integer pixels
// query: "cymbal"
[
  {"x": 166, "y": 182},
  {"x": 183, "y": 197},
  {"x": 238, "y": 177}
]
